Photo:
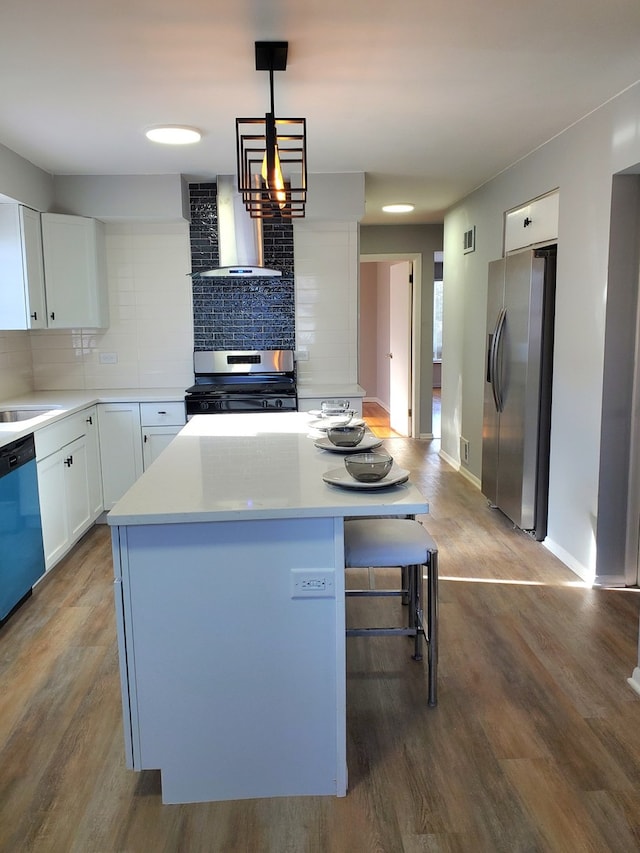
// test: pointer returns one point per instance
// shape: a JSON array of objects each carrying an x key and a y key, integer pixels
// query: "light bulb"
[{"x": 277, "y": 191}]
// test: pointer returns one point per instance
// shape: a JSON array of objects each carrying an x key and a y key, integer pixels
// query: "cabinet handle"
[
  {"x": 145, "y": 438},
  {"x": 34, "y": 316},
  {"x": 89, "y": 420},
  {"x": 162, "y": 413},
  {"x": 53, "y": 315},
  {"x": 68, "y": 461},
  {"x": 527, "y": 222}
]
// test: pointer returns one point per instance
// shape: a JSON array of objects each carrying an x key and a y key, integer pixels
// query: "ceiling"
[{"x": 429, "y": 98}]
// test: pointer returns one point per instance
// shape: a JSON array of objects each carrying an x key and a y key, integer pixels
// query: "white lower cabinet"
[
  {"x": 94, "y": 468},
  {"x": 160, "y": 422},
  {"x": 120, "y": 449},
  {"x": 63, "y": 485},
  {"x": 154, "y": 441},
  {"x": 132, "y": 435}
]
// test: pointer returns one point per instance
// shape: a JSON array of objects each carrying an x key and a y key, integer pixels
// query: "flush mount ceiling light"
[
  {"x": 398, "y": 208},
  {"x": 272, "y": 152},
  {"x": 173, "y": 135}
]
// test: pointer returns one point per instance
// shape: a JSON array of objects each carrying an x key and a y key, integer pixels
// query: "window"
[{"x": 437, "y": 319}]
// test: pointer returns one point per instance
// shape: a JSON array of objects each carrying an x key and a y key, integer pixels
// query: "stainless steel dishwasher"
[{"x": 21, "y": 548}]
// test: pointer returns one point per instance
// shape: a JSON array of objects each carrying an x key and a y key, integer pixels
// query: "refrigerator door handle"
[{"x": 494, "y": 360}]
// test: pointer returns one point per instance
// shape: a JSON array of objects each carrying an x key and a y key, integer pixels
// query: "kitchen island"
[{"x": 229, "y": 579}]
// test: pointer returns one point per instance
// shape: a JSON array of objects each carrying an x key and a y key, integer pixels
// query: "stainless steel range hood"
[{"x": 239, "y": 237}]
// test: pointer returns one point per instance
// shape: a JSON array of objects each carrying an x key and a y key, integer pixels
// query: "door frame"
[{"x": 416, "y": 314}]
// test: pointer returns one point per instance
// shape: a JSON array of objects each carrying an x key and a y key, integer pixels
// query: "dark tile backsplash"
[{"x": 240, "y": 313}]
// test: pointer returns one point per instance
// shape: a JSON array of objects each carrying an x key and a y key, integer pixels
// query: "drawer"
[
  {"x": 54, "y": 436},
  {"x": 159, "y": 414}
]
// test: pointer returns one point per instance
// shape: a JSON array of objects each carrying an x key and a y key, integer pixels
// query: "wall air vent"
[{"x": 469, "y": 240}]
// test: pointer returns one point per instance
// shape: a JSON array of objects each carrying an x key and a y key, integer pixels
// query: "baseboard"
[
  {"x": 634, "y": 681},
  {"x": 475, "y": 481},
  {"x": 470, "y": 477},
  {"x": 585, "y": 574},
  {"x": 449, "y": 460}
]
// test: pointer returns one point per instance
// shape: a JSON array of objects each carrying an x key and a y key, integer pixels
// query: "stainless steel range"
[{"x": 242, "y": 381}]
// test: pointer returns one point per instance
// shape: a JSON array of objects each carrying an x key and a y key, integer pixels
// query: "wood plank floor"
[{"x": 534, "y": 745}]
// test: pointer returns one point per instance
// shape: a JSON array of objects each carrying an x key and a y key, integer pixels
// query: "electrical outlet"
[
  {"x": 464, "y": 449},
  {"x": 108, "y": 358},
  {"x": 302, "y": 355},
  {"x": 312, "y": 583}
]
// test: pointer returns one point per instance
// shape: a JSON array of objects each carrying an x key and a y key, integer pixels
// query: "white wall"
[
  {"x": 581, "y": 163},
  {"x": 151, "y": 328},
  {"x": 326, "y": 282},
  {"x": 367, "y": 347}
]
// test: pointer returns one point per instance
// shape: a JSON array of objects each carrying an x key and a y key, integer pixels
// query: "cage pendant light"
[{"x": 272, "y": 152}]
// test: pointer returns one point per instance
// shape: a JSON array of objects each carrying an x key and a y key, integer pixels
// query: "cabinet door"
[
  {"x": 76, "y": 483},
  {"x": 22, "y": 304},
  {"x": 53, "y": 509},
  {"x": 93, "y": 462},
  {"x": 534, "y": 223},
  {"x": 120, "y": 449},
  {"x": 33, "y": 267},
  {"x": 75, "y": 274},
  {"x": 154, "y": 441}
]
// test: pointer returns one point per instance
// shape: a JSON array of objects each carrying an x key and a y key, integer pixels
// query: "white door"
[{"x": 400, "y": 300}]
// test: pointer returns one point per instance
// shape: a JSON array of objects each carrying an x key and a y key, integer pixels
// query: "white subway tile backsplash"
[
  {"x": 151, "y": 329},
  {"x": 150, "y": 306}
]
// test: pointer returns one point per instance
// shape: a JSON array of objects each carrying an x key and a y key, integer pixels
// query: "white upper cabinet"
[
  {"x": 534, "y": 223},
  {"x": 75, "y": 271},
  {"x": 22, "y": 295}
]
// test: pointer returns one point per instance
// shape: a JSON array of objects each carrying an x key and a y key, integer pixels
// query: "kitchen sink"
[{"x": 11, "y": 416}]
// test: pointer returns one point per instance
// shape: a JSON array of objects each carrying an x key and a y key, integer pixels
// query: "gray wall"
[
  {"x": 412, "y": 240},
  {"x": 581, "y": 162}
]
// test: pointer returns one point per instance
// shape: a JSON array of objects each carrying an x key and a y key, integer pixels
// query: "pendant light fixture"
[{"x": 272, "y": 152}]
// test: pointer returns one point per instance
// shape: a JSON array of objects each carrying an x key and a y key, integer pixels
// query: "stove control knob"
[
  {"x": 278, "y": 404},
  {"x": 204, "y": 406}
]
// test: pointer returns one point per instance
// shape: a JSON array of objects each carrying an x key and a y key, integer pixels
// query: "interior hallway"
[
  {"x": 377, "y": 418},
  {"x": 534, "y": 745}
]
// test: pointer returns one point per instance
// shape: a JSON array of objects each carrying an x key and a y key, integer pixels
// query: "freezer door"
[
  {"x": 491, "y": 416},
  {"x": 520, "y": 381}
]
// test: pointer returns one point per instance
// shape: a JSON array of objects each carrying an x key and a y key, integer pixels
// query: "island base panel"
[{"x": 238, "y": 688}]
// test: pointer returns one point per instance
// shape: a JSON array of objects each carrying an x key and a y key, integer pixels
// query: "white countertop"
[
  {"x": 251, "y": 466},
  {"x": 65, "y": 403}
]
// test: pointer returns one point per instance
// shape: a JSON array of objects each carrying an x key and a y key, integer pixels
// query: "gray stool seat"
[
  {"x": 386, "y": 542},
  {"x": 402, "y": 542}
]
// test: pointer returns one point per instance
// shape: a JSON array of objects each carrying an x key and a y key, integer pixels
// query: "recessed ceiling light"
[
  {"x": 173, "y": 135},
  {"x": 398, "y": 208}
]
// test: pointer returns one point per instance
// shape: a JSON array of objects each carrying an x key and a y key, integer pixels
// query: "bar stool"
[{"x": 402, "y": 542}]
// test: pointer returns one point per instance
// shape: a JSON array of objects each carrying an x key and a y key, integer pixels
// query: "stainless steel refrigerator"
[{"x": 517, "y": 391}]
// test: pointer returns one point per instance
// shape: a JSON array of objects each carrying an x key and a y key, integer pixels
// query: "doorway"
[{"x": 386, "y": 367}]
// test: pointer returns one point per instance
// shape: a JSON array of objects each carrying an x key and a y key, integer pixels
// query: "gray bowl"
[
  {"x": 368, "y": 467},
  {"x": 346, "y": 436}
]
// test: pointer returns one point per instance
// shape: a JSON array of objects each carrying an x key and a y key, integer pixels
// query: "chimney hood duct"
[{"x": 239, "y": 237}]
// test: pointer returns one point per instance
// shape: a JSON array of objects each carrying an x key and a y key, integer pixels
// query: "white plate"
[
  {"x": 326, "y": 423},
  {"x": 368, "y": 443},
  {"x": 341, "y": 477}
]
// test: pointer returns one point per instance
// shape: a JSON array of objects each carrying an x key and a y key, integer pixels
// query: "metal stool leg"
[
  {"x": 415, "y": 612},
  {"x": 432, "y": 627}
]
